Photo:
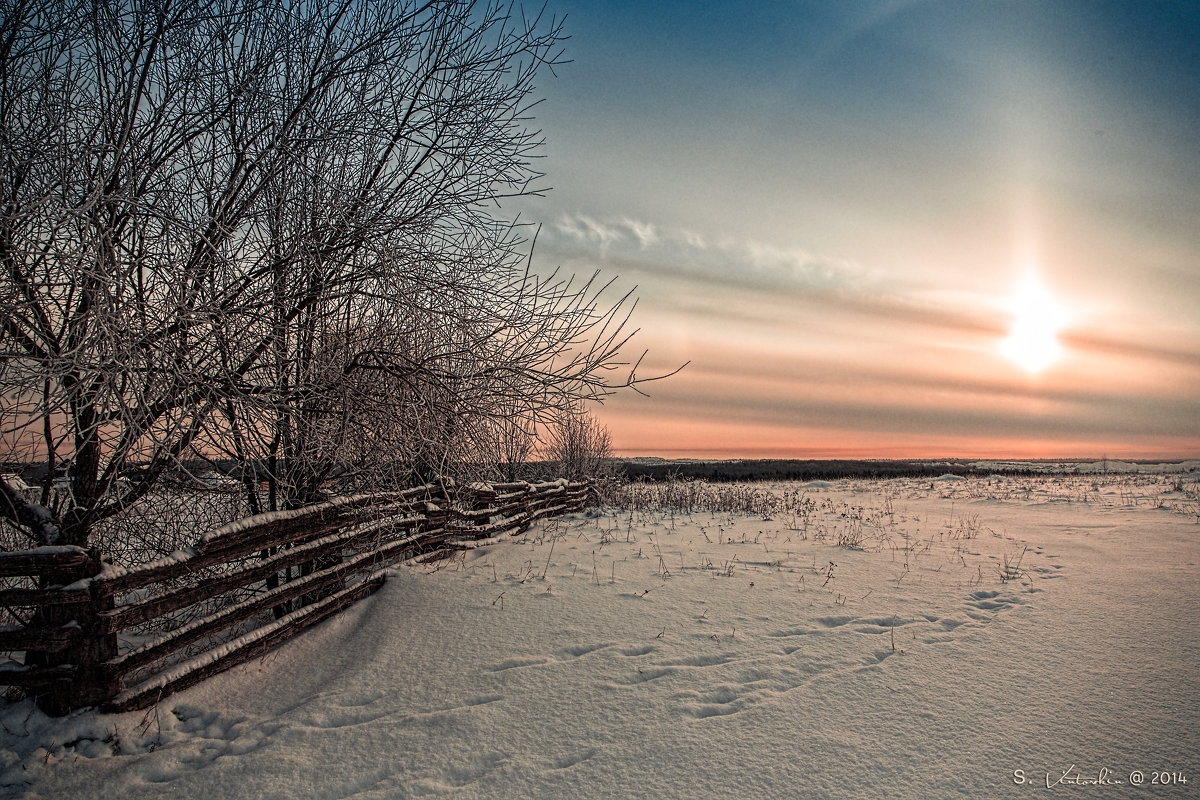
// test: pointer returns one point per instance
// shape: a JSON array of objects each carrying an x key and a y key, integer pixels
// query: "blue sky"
[{"x": 835, "y": 211}]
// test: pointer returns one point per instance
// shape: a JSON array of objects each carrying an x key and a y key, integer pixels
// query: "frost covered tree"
[
  {"x": 578, "y": 445},
  {"x": 270, "y": 231}
]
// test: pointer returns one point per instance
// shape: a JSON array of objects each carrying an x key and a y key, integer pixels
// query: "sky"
[{"x": 887, "y": 229}]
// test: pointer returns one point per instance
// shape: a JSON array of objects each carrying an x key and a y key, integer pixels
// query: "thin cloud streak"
[{"x": 686, "y": 253}]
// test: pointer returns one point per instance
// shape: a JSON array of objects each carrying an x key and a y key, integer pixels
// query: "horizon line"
[{"x": 719, "y": 454}]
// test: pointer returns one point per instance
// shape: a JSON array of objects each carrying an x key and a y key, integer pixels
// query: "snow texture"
[{"x": 981, "y": 638}]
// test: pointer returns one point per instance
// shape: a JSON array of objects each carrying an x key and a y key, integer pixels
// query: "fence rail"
[{"x": 340, "y": 549}]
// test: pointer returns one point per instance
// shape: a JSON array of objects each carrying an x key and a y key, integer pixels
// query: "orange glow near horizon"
[
  {"x": 650, "y": 436},
  {"x": 883, "y": 381}
]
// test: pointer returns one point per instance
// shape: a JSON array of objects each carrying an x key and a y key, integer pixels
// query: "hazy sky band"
[{"x": 821, "y": 201}]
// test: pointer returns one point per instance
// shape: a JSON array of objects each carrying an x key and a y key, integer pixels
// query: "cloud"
[
  {"x": 711, "y": 258},
  {"x": 585, "y": 229}
]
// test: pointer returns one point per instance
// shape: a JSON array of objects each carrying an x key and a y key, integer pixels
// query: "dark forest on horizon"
[{"x": 832, "y": 469}]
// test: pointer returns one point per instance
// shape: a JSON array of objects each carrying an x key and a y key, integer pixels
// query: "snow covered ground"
[{"x": 902, "y": 639}]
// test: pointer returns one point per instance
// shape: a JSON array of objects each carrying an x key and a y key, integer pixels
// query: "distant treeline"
[
  {"x": 656, "y": 470},
  {"x": 799, "y": 470}
]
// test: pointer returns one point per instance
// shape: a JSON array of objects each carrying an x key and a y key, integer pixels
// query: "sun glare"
[{"x": 1032, "y": 342}]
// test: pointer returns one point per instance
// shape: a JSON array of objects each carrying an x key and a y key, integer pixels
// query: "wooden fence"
[{"x": 231, "y": 578}]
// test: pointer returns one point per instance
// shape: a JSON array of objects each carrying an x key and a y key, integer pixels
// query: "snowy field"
[{"x": 985, "y": 638}]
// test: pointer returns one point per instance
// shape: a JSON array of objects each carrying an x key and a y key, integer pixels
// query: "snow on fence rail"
[{"x": 72, "y": 656}]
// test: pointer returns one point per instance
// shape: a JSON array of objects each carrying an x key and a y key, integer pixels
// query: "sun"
[{"x": 1032, "y": 342}]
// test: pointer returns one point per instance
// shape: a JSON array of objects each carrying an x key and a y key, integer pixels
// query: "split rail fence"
[{"x": 330, "y": 555}]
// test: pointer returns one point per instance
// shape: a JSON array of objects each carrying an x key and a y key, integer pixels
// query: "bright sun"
[{"x": 1033, "y": 341}]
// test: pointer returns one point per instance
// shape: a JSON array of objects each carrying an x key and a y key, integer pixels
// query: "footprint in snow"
[
  {"x": 638, "y": 650},
  {"x": 705, "y": 660},
  {"x": 644, "y": 675},
  {"x": 517, "y": 663},
  {"x": 473, "y": 767},
  {"x": 571, "y": 759},
  {"x": 576, "y": 651}
]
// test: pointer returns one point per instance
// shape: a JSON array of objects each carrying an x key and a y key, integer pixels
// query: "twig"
[{"x": 548, "y": 557}]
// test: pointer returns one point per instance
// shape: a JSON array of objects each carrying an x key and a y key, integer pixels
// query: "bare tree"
[
  {"x": 578, "y": 446},
  {"x": 512, "y": 442},
  {"x": 267, "y": 230}
]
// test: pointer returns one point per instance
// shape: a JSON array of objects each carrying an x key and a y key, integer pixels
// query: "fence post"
[
  {"x": 592, "y": 496},
  {"x": 309, "y": 567},
  {"x": 91, "y": 683},
  {"x": 527, "y": 502}
]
